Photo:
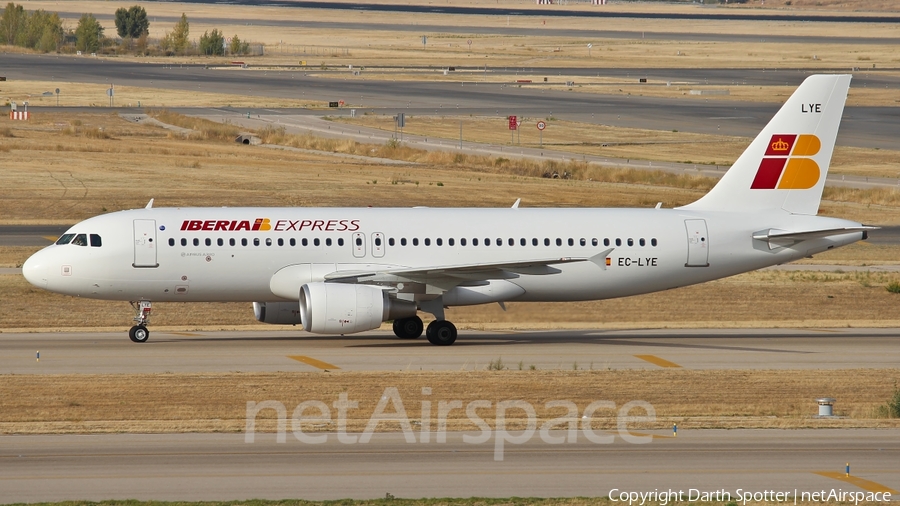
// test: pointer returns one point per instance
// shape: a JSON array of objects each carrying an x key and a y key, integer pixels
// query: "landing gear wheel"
[
  {"x": 408, "y": 328},
  {"x": 139, "y": 334},
  {"x": 441, "y": 333}
]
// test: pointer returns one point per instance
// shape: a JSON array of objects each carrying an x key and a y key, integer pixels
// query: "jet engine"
[
  {"x": 340, "y": 308},
  {"x": 278, "y": 313}
]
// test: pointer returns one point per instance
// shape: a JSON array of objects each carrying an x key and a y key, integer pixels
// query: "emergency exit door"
[
  {"x": 698, "y": 243},
  {"x": 145, "y": 243},
  {"x": 359, "y": 244}
]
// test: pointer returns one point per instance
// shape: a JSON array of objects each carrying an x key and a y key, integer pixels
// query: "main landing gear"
[
  {"x": 439, "y": 332},
  {"x": 408, "y": 328},
  {"x": 139, "y": 333}
]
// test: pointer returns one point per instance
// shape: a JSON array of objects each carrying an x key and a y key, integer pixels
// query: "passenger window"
[
  {"x": 341, "y": 241},
  {"x": 378, "y": 241},
  {"x": 220, "y": 241},
  {"x": 231, "y": 241},
  {"x": 427, "y": 241},
  {"x": 583, "y": 241},
  {"x": 171, "y": 242},
  {"x": 316, "y": 242},
  {"x": 280, "y": 241},
  {"x": 534, "y": 241},
  {"x": 618, "y": 242},
  {"x": 594, "y": 241},
  {"x": 487, "y": 242},
  {"x": 390, "y": 241},
  {"x": 439, "y": 241},
  {"x": 208, "y": 241},
  {"x": 512, "y": 242},
  {"x": 403, "y": 241},
  {"x": 244, "y": 241},
  {"x": 268, "y": 241},
  {"x": 196, "y": 242},
  {"x": 475, "y": 241},
  {"x": 630, "y": 241},
  {"x": 415, "y": 241},
  {"x": 256, "y": 241},
  {"x": 183, "y": 241},
  {"x": 328, "y": 241},
  {"x": 653, "y": 242},
  {"x": 304, "y": 241},
  {"x": 65, "y": 239},
  {"x": 643, "y": 242},
  {"x": 546, "y": 241},
  {"x": 571, "y": 241},
  {"x": 80, "y": 240},
  {"x": 606, "y": 241},
  {"x": 450, "y": 241},
  {"x": 359, "y": 241},
  {"x": 293, "y": 242},
  {"x": 499, "y": 242},
  {"x": 462, "y": 241},
  {"x": 558, "y": 241}
]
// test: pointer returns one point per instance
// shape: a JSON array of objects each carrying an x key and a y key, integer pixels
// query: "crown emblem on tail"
[{"x": 780, "y": 145}]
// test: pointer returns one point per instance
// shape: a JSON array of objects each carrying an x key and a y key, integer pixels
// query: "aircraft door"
[
  {"x": 359, "y": 244},
  {"x": 145, "y": 243},
  {"x": 378, "y": 245},
  {"x": 698, "y": 243}
]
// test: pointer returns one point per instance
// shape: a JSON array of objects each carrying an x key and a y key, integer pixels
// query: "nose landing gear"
[{"x": 139, "y": 333}]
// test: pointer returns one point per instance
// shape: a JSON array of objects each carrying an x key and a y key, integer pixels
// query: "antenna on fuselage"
[
  {"x": 516, "y": 204},
  {"x": 149, "y": 205}
]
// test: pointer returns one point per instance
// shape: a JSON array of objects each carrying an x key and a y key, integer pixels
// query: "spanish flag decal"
[{"x": 786, "y": 165}]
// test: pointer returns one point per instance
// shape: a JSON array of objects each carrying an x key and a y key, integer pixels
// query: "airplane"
[{"x": 348, "y": 270}]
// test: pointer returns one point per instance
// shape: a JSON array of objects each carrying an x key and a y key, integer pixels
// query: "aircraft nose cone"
[{"x": 36, "y": 270}]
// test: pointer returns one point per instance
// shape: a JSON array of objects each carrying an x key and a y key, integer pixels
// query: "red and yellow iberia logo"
[
  {"x": 260, "y": 224},
  {"x": 786, "y": 164}
]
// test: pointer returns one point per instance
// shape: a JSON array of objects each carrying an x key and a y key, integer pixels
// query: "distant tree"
[
  {"x": 88, "y": 34},
  {"x": 239, "y": 46},
  {"x": 132, "y": 22},
  {"x": 43, "y": 31},
  {"x": 212, "y": 43},
  {"x": 180, "y": 41},
  {"x": 12, "y": 23}
]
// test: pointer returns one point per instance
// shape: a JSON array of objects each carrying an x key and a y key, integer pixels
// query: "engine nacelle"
[
  {"x": 278, "y": 313},
  {"x": 341, "y": 308}
]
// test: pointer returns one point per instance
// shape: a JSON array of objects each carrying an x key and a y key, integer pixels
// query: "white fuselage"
[{"x": 169, "y": 254}]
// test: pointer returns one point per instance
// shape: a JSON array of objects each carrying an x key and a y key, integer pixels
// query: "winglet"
[
  {"x": 149, "y": 205},
  {"x": 600, "y": 258}
]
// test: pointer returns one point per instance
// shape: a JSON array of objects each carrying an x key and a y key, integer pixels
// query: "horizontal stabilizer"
[{"x": 784, "y": 235}]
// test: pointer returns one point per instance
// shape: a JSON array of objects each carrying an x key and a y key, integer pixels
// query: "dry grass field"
[
  {"x": 382, "y": 45},
  {"x": 94, "y": 95},
  {"x": 217, "y": 402},
  {"x": 619, "y": 142}
]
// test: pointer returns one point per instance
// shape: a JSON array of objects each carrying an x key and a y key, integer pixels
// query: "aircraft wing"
[{"x": 448, "y": 276}]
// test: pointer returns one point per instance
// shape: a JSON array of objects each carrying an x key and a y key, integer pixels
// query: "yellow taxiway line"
[
  {"x": 313, "y": 362},
  {"x": 653, "y": 359}
]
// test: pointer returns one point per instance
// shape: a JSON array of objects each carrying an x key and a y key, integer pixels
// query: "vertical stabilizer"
[{"x": 785, "y": 166}]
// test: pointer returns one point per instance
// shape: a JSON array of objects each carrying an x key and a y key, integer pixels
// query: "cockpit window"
[
  {"x": 80, "y": 240},
  {"x": 95, "y": 241},
  {"x": 65, "y": 239}
]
